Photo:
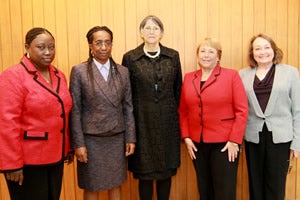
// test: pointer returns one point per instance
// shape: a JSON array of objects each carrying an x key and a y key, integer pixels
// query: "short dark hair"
[
  {"x": 34, "y": 32},
  {"x": 95, "y": 29}
]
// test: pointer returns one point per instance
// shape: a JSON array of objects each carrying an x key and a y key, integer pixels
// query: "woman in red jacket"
[
  {"x": 34, "y": 108},
  {"x": 213, "y": 114}
]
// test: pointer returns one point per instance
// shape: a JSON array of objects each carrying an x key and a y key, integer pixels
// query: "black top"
[{"x": 263, "y": 88}]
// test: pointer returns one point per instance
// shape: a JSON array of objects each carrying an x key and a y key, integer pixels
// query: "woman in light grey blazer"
[
  {"x": 102, "y": 122},
  {"x": 272, "y": 135}
]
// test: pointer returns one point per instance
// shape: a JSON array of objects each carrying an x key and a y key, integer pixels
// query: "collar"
[
  {"x": 32, "y": 69},
  {"x": 216, "y": 71},
  {"x": 99, "y": 65}
]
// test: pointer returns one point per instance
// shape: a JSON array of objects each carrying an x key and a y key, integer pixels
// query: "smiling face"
[
  {"x": 263, "y": 52},
  {"x": 101, "y": 46},
  {"x": 41, "y": 50},
  {"x": 208, "y": 57},
  {"x": 151, "y": 32}
]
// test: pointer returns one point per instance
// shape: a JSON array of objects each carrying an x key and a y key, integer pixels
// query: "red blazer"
[
  {"x": 218, "y": 111},
  {"x": 33, "y": 117}
]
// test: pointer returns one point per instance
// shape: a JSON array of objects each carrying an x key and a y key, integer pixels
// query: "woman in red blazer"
[
  {"x": 34, "y": 109},
  {"x": 213, "y": 114}
]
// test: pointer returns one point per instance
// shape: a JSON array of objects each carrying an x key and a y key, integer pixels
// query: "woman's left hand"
[
  {"x": 16, "y": 176},
  {"x": 295, "y": 154},
  {"x": 233, "y": 150},
  {"x": 129, "y": 149},
  {"x": 70, "y": 158}
]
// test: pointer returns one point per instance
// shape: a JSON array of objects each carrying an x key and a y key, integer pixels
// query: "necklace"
[
  {"x": 45, "y": 73},
  {"x": 151, "y": 56},
  {"x": 46, "y": 78}
]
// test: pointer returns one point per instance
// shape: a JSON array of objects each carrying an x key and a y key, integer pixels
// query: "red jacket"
[
  {"x": 218, "y": 112},
  {"x": 33, "y": 117}
]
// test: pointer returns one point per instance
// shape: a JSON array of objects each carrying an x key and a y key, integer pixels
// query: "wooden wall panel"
[
  {"x": 73, "y": 38},
  {"x": 6, "y": 35},
  {"x": 26, "y": 17},
  {"x": 223, "y": 32},
  {"x": 247, "y": 28},
  {"x": 187, "y": 22},
  {"x": 38, "y": 11},
  {"x": 16, "y": 22},
  {"x": 131, "y": 31},
  {"x": 236, "y": 37},
  {"x": 259, "y": 24},
  {"x": 213, "y": 21},
  {"x": 202, "y": 20},
  {"x": 61, "y": 36},
  {"x": 189, "y": 44},
  {"x": 292, "y": 54}
]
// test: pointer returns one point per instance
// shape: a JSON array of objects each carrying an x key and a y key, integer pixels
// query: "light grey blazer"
[{"x": 282, "y": 114}]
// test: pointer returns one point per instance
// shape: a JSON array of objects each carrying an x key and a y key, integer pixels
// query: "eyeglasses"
[
  {"x": 106, "y": 43},
  {"x": 148, "y": 29}
]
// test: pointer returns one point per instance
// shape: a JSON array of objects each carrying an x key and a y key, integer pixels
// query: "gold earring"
[{"x": 28, "y": 55}]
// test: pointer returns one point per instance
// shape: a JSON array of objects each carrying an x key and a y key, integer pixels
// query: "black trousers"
[
  {"x": 216, "y": 176},
  {"x": 40, "y": 183},
  {"x": 267, "y": 167}
]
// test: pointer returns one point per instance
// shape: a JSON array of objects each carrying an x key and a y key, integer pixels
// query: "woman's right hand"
[
  {"x": 16, "y": 176},
  {"x": 191, "y": 148},
  {"x": 81, "y": 154}
]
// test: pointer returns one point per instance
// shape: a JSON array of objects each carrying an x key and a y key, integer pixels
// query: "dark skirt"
[
  {"x": 106, "y": 167},
  {"x": 155, "y": 175}
]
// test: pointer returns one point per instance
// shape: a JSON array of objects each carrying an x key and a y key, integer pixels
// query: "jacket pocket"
[
  {"x": 34, "y": 135},
  {"x": 227, "y": 122}
]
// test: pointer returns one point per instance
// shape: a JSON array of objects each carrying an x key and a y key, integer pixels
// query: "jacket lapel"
[
  {"x": 106, "y": 87},
  {"x": 251, "y": 94},
  {"x": 56, "y": 80},
  {"x": 212, "y": 78},
  {"x": 196, "y": 82},
  {"x": 54, "y": 89},
  {"x": 274, "y": 94}
]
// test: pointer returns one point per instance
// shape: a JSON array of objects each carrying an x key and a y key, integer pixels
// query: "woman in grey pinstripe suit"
[{"x": 102, "y": 122}]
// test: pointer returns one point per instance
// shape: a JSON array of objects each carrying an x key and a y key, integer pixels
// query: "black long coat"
[{"x": 156, "y": 85}]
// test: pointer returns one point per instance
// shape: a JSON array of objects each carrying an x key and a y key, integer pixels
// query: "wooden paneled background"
[{"x": 186, "y": 22}]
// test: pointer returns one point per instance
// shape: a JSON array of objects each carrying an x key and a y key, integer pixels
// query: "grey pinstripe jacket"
[{"x": 101, "y": 108}]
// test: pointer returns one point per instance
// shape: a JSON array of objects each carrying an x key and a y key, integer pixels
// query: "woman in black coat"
[{"x": 155, "y": 74}]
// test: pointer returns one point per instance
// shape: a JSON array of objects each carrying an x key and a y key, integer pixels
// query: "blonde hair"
[{"x": 214, "y": 43}]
